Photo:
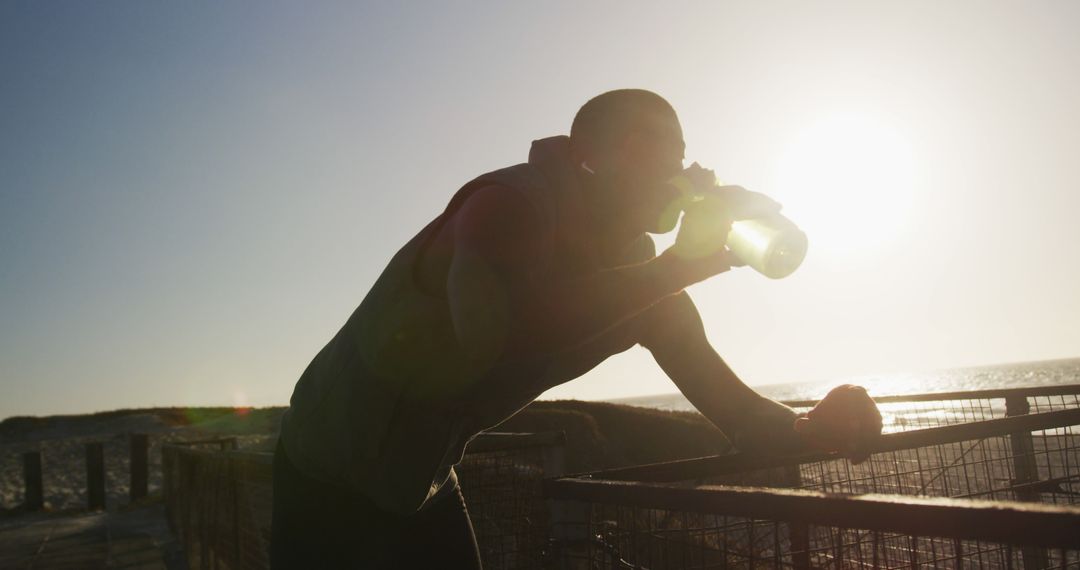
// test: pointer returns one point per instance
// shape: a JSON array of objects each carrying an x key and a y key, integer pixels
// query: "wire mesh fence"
[
  {"x": 920, "y": 411},
  {"x": 219, "y": 501},
  {"x": 1013, "y": 445},
  {"x": 658, "y": 526},
  {"x": 1006, "y": 445},
  {"x": 501, "y": 478}
]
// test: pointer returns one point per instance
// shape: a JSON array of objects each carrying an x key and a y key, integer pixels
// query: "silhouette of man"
[{"x": 533, "y": 275}]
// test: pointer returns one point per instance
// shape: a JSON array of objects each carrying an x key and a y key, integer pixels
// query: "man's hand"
[
  {"x": 706, "y": 220},
  {"x": 709, "y": 210},
  {"x": 846, "y": 421}
]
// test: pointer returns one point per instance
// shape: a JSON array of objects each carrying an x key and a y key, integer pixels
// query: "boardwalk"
[{"x": 137, "y": 539}]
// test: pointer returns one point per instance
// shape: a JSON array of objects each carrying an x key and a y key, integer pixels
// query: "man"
[{"x": 533, "y": 275}]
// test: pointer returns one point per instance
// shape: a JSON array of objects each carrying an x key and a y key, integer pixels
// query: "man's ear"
[
  {"x": 576, "y": 152},
  {"x": 596, "y": 159},
  {"x": 580, "y": 155}
]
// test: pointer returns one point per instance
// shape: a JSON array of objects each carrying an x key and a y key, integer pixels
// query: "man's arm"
[
  {"x": 676, "y": 337},
  {"x": 502, "y": 312}
]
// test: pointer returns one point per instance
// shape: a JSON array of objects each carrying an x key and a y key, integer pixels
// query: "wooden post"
[
  {"x": 569, "y": 528},
  {"x": 235, "y": 474},
  {"x": 1025, "y": 470},
  {"x": 553, "y": 457},
  {"x": 169, "y": 481},
  {"x": 34, "y": 497},
  {"x": 559, "y": 514},
  {"x": 140, "y": 470},
  {"x": 95, "y": 476}
]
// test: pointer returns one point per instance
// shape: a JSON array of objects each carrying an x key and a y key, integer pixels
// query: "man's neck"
[{"x": 606, "y": 233}]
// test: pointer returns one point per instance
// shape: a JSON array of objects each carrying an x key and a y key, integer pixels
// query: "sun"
[{"x": 847, "y": 180}]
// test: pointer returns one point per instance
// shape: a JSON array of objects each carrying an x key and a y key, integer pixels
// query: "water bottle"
[{"x": 770, "y": 243}]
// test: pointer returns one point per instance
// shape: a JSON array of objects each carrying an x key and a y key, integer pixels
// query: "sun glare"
[
  {"x": 240, "y": 402},
  {"x": 847, "y": 180}
]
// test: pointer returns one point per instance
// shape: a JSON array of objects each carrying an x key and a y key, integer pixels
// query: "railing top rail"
[
  {"x": 255, "y": 456},
  {"x": 213, "y": 452},
  {"x": 1063, "y": 390},
  {"x": 1000, "y": 521},
  {"x": 219, "y": 441},
  {"x": 715, "y": 465}
]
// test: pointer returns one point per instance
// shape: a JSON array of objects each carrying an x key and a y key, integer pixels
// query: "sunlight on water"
[{"x": 914, "y": 415}]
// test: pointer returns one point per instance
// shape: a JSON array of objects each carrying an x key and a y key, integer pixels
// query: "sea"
[{"x": 1014, "y": 375}]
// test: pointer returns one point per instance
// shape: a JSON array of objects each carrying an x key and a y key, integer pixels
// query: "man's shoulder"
[
  {"x": 503, "y": 225},
  {"x": 524, "y": 181},
  {"x": 521, "y": 176},
  {"x": 515, "y": 195}
]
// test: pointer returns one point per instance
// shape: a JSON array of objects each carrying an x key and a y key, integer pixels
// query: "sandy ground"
[{"x": 135, "y": 539}]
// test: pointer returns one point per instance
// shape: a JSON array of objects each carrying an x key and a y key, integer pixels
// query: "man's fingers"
[
  {"x": 703, "y": 178},
  {"x": 816, "y": 435},
  {"x": 846, "y": 420},
  {"x": 875, "y": 415},
  {"x": 734, "y": 260},
  {"x": 852, "y": 440}
]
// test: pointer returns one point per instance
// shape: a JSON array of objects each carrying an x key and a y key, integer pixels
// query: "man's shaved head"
[
  {"x": 628, "y": 144},
  {"x": 607, "y": 119}
]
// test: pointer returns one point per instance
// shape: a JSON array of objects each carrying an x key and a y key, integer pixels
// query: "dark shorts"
[{"x": 318, "y": 526}]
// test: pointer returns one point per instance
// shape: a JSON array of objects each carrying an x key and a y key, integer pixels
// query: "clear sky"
[{"x": 194, "y": 196}]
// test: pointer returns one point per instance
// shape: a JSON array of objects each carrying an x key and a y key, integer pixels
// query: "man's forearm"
[
  {"x": 751, "y": 421},
  {"x": 768, "y": 427},
  {"x": 570, "y": 313}
]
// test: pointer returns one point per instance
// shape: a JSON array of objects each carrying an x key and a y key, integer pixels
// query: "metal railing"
[
  {"x": 654, "y": 526},
  {"x": 995, "y": 444},
  {"x": 918, "y": 411},
  {"x": 501, "y": 479},
  {"x": 1012, "y": 456},
  {"x": 219, "y": 501}
]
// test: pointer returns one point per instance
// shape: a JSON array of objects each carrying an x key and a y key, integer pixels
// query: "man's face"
[{"x": 638, "y": 169}]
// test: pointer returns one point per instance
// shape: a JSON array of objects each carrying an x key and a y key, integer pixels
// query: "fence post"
[
  {"x": 140, "y": 471},
  {"x": 1026, "y": 470},
  {"x": 235, "y": 474},
  {"x": 799, "y": 533},
  {"x": 95, "y": 476},
  {"x": 553, "y": 464},
  {"x": 553, "y": 457},
  {"x": 569, "y": 526},
  {"x": 34, "y": 497},
  {"x": 168, "y": 481}
]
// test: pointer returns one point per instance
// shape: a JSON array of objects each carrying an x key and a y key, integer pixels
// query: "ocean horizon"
[{"x": 1012, "y": 375}]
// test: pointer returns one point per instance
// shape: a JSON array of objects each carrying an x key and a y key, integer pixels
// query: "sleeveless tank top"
[{"x": 387, "y": 407}]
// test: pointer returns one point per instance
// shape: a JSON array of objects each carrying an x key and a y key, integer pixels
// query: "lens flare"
[
  {"x": 849, "y": 180},
  {"x": 241, "y": 407}
]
